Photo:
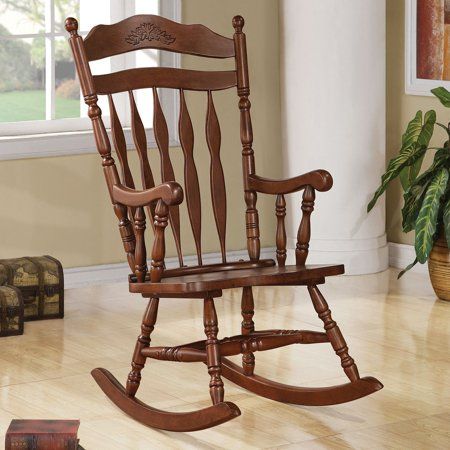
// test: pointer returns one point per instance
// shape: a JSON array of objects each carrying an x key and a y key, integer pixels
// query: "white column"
[{"x": 333, "y": 106}]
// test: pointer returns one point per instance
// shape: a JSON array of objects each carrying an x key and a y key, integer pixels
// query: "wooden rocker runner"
[{"x": 161, "y": 205}]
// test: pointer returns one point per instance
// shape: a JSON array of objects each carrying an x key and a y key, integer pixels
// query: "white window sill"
[{"x": 60, "y": 144}]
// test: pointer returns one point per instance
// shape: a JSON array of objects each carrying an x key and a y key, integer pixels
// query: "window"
[{"x": 40, "y": 101}]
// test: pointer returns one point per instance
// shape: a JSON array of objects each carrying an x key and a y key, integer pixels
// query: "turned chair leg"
[
  {"x": 213, "y": 361},
  {"x": 248, "y": 326},
  {"x": 143, "y": 341},
  {"x": 334, "y": 333}
]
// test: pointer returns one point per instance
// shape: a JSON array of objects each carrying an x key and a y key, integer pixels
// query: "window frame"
[{"x": 74, "y": 136}]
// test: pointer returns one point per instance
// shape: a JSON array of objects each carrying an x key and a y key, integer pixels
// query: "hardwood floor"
[{"x": 397, "y": 332}]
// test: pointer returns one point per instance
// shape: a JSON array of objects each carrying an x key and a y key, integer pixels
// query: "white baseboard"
[
  {"x": 401, "y": 255},
  {"x": 115, "y": 273}
]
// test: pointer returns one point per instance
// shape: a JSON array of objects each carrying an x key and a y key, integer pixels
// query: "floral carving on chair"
[{"x": 149, "y": 32}]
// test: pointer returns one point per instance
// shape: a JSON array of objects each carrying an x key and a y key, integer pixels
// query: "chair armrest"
[
  {"x": 171, "y": 193},
  {"x": 320, "y": 180}
]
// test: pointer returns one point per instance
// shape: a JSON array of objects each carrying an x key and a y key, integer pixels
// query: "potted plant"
[{"x": 426, "y": 207}]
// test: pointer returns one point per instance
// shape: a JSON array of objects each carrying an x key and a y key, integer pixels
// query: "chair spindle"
[
  {"x": 140, "y": 252},
  {"x": 140, "y": 141},
  {"x": 192, "y": 187},
  {"x": 304, "y": 231},
  {"x": 281, "y": 230},
  {"x": 218, "y": 193},
  {"x": 159, "y": 244},
  {"x": 167, "y": 172}
]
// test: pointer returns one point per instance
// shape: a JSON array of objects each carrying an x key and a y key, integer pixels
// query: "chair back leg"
[{"x": 213, "y": 362}]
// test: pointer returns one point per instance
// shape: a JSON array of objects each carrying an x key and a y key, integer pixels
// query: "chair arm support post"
[
  {"x": 320, "y": 180},
  {"x": 304, "y": 230},
  {"x": 159, "y": 244}
]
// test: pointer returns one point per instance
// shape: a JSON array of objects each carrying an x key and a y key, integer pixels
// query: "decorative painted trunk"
[
  {"x": 11, "y": 311},
  {"x": 41, "y": 282}
]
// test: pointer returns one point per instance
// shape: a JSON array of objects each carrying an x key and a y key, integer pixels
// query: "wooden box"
[
  {"x": 41, "y": 281},
  {"x": 42, "y": 435},
  {"x": 11, "y": 311}
]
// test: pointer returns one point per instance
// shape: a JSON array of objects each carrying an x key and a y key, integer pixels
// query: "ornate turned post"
[
  {"x": 213, "y": 362},
  {"x": 140, "y": 255},
  {"x": 334, "y": 333},
  {"x": 304, "y": 231},
  {"x": 159, "y": 244},
  {"x": 143, "y": 341},
  {"x": 248, "y": 327},
  {"x": 101, "y": 137},
  {"x": 248, "y": 159},
  {"x": 281, "y": 230}
]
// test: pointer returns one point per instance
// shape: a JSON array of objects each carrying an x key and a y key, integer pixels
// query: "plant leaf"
[
  {"x": 407, "y": 268},
  {"x": 407, "y": 157},
  {"x": 413, "y": 199},
  {"x": 447, "y": 221},
  {"x": 443, "y": 95},
  {"x": 440, "y": 158},
  {"x": 428, "y": 216},
  {"x": 417, "y": 134}
]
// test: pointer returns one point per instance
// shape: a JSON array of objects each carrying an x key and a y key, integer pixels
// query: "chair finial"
[
  {"x": 71, "y": 25},
  {"x": 238, "y": 23}
]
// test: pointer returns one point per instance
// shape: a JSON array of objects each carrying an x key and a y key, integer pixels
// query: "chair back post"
[
  {"x": 248, "y": 159},
  {"x": 101, "y": 136}
]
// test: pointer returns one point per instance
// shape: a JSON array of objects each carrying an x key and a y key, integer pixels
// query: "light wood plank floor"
[{"x": 397, "y": 332}]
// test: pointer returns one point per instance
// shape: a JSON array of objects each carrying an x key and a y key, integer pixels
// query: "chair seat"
[{"x": 227, "y": 279}]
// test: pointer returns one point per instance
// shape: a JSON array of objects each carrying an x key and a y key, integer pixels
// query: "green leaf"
[
  {"x": 444, "y": 127},
  {"x": 413, "y": 199},
  {"x": 443, "y": 95},
  {"x": 407, "y": 268},
  {"x": 441, "y": 157},
  {"x": 417, "y": 134},
  {"x": 406, "y": 157},
  {"x": 428, "y": 216},
  {"x": 447, "y": 221}
]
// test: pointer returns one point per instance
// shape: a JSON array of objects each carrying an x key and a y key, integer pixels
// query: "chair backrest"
[{"x": 154, "y": 32}]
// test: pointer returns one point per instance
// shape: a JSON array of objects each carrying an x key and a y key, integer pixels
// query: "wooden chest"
[
  {"x": 42, "y": 435},
  {"x": 41, "y": 281},
  {"x": 11, "y": 311}
]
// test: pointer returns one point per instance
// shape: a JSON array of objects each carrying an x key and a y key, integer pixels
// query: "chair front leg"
[
  {"x": 248, "y": 326},
  {"x": 213, "y": 361},
  {"x": 143, "y": 341},
  {"x": 334, "y": 333}
]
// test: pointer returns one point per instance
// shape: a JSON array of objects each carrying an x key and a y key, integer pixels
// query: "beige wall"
[
  {"x": 60, "y": 205},
  {"x": 401, "y": 108}
]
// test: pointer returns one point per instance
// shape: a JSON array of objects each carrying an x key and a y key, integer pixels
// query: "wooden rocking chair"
[{"x": 162, "y": 204}]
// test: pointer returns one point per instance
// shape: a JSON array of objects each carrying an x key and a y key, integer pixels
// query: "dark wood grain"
[
  {"x": 192, "y": 186},
  {"x": 167, "y": 172},
  {"x": 108, "y": 40},
  {"x": 202, "y": 281},
  {"x": 218, "y": 192},
  {"x": 164, "y": 77}
]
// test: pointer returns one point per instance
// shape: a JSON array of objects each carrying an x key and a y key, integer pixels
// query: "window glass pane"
[
  {"x": 64, "y": 9},
  {"x": 21, "y": 16},
  {"x": 22, "y": 81},
  {"x": 67, "y": 95}
]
